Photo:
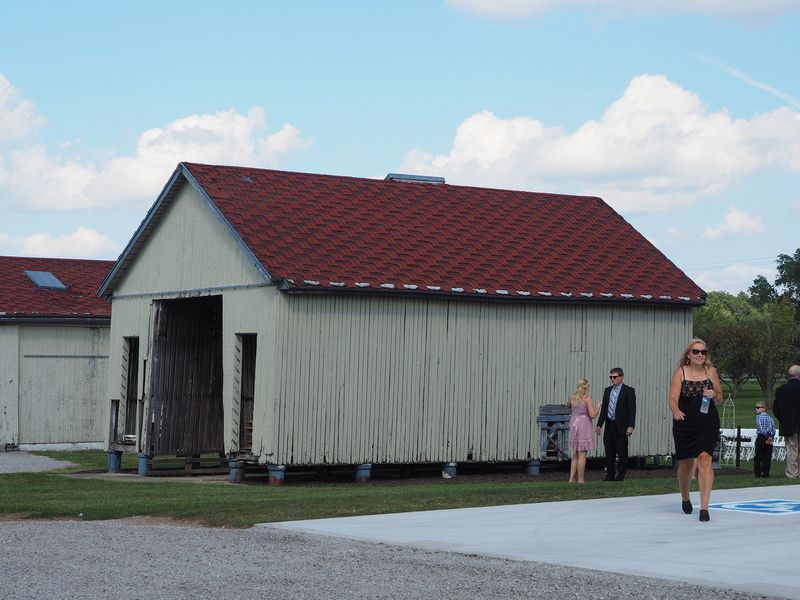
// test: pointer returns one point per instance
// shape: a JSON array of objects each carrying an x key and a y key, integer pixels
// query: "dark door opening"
[
  {"x": 131, "y": 370},
  {"x": 186, "y": 412},
  {"x": 247, "y": 343}
]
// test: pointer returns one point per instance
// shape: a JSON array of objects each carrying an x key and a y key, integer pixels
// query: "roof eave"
[
  {"x": 293, "y": 288},
  {"x": 83, "y": 320}
]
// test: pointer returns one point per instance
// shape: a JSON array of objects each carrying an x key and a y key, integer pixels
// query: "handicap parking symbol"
[{"x": 764, "y": 507}]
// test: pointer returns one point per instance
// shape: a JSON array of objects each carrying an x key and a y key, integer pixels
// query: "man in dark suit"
[
  {"x": 787, "y": 408},
  {"x": 618, "y": 414}
]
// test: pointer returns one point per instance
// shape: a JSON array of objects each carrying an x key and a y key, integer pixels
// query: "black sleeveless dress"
[{"x": 698, "y": 432}]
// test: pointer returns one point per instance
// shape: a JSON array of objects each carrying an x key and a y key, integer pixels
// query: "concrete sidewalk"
[{"x": 751, "y": 543}]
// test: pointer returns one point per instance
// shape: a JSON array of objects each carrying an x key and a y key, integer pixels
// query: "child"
[{"x": 765, "y": 434}]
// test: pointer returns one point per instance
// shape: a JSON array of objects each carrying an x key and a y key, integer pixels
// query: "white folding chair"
[
  {"x": 748, "y": 444},
  {"x": 727, "y": 446},
  {"x": 778, "y": 448}
]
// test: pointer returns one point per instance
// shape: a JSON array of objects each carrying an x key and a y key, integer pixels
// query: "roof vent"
[
  {"x": 45, "y": 280},
  {"x": 413, "y": 178}
]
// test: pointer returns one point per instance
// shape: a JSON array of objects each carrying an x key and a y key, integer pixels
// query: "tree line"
[{"x": 755, "y": 334}]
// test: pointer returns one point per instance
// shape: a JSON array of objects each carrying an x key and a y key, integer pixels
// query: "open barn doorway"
[{"x": 186, "y": 412}]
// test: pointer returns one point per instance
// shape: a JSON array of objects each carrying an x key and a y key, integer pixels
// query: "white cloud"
[
  {"x": 18, "y": 117},
  {"x": 33, "y": 176},
  {"x": 746, "y": 272},
  {"x": 736, "y": 222},
  {"x": 655, "y": 148},
  {"x": 733, "y": 279},
  {"x": 511, "y": 8},
  {"x": 739, "y": 9},
  {"x": 81, "y": 243},
  {"x": 705, "y": 281},
  {"x": 223, "y": 138}
]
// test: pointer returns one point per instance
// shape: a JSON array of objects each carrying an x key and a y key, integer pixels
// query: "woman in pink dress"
[{"x": 581, "y": 432}]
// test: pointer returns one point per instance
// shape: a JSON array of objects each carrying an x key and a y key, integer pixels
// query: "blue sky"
[{"x": 683, "y": 115}]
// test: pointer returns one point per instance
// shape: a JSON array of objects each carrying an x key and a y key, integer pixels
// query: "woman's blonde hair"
[
  {"x": 581, "y": 392},
  {"x": 684, "y": 359}
]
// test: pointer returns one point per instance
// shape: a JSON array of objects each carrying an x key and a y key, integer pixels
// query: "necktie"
[{"x": 612, "y": 403}]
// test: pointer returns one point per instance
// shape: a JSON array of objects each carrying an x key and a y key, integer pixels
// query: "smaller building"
[{"x": 54, "y": 334}]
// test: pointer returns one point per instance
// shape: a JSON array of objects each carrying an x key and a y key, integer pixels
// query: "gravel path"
[
  {"x": 22, "y": 462},
  {"x": 129, "y": 559},
  {"x": 142, "y": 558}
]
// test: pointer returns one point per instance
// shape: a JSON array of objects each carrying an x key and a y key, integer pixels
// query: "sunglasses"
[
  {"x": 614, "y": 376},
  {"x": 697, "y": 351}
]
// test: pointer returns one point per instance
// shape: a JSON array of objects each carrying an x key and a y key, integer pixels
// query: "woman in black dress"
[{"x": 694, "y": 392}]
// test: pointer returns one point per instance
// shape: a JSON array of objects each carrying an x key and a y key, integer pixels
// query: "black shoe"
[
  {"x": 686, "y": 505},
  {"x": 620, "y": 478},
  {"x": 704, "y": 515},
  {"x": 607, "y": 478}
]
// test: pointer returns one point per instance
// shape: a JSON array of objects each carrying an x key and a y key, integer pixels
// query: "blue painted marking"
[{"x": 764, "y": 507}]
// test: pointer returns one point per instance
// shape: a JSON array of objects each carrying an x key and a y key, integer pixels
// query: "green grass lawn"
[
  {"x": 745, "y": 402},
  {"x": 53, "y": 495}
]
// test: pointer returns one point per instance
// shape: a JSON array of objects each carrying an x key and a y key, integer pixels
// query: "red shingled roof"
[
  {"x": 322, "y": 231},
  {"x": 21, "y": 298},
  {"x": 334, "y": 234}
]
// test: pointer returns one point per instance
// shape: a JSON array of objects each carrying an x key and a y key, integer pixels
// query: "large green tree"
[
  {"x": 774, "y": 350},
  {"x": 762, "y": 291},
  {"x": 788, "y": 278},
  {"x": 727, "y": 323},
  {"x": 749, "y": 338},
  {"x": 778, "y": 321},
  {"x": 755, "y": 335}
]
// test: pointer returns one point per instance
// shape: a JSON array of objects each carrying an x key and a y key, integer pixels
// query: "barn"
[
  {"x": 54, "y": 334},
  {"x": 302, "y": 319}
]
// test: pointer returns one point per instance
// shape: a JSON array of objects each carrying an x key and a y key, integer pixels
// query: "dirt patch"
[
  {"x": 135, "y": 477},
  {"x": 26, "y": 517}
]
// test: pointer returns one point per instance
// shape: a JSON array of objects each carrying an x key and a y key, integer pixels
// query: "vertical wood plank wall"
[
  {"x": 62, "y": 384},
  {"x": 9, "y": 384},
  {"x": 412, "y": 380}
]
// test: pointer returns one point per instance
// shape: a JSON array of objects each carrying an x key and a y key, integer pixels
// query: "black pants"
[
  {"x": 763, "y": 458},
  {"x": 616, "y": 446}
]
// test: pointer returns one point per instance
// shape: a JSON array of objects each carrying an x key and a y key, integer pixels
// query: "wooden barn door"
[{"x": 186, "y": 413}]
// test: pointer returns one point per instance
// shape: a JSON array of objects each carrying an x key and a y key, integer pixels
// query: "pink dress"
[{"x": 581, "y": 431}]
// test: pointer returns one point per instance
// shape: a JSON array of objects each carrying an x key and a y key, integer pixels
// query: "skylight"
[{"x": 45, "y": 280}]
